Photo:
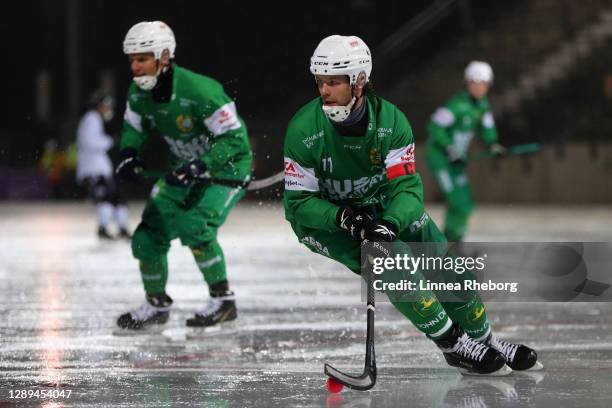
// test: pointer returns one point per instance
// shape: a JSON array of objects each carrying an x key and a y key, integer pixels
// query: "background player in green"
[
  {"x": 451, "y": 130},
  {"x": 350, "y": 176},
  {"x": 206, "y": 138}
]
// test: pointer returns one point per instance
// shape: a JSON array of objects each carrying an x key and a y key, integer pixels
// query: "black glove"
[
  {"x": 130, "y": 166},
  {"x": 453, "y": 156},
  {"x": 379, "y": 231},
  {"x": 352, "y": 220},
  {"x": 187, "y": 173}
]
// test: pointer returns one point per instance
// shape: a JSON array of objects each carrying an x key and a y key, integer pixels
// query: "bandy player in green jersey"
[
  {"x": 207, "y": 139},
  {"x": 451, "y": 130},
  {"x": 350, "y": 176}
]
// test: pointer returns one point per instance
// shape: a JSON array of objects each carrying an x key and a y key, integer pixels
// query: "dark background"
[{"x": 260, "y": 52}]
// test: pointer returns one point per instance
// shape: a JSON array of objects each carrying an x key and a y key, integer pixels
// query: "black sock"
[{"x": 219, "y": 289}]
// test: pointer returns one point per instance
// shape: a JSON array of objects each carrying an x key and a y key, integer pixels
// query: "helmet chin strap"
[
  {"x": 148, "y": 82},
  {"x": 339, "y": 113}
]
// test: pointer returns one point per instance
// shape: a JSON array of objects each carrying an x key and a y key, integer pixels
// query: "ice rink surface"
[{"x": 61, "y": 291}]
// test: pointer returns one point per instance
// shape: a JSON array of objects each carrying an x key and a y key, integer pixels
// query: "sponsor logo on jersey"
[
  {"x": 352, "y": 147},
  {"x": 382, "y": 132},
  {"x": 298, "y": 177},
  {"x": 408, "y": 154},
  {"x": 290, "y": 170},
  {"x": 344, "y": 189},
  {"x": 400, "y": 162},
  {"x": 224, "y": 119},
  {"x": 310, "y": 140},
  {"x": 316, "y": 245},
  {"x": 188, "y": 149},
  {"x": 184, "y": 123},
  {"x": 292, "y": 183},
  {"x": 224, "y": 116}
]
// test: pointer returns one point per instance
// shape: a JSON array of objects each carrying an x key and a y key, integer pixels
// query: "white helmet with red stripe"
[
  {"x": 342, "y": 55},
  {"x": 149, "y": 36}
]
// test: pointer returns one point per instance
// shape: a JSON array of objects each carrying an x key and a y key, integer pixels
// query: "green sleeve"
[
  {"x": 404, "y": 201},
  {"x": 488, "y": 131},
  {"x": 226, "y": 148},
  {"x": 309, "y": 210},
  {"x": 229, "y": 138},
  {"x": 440, "y": 124},
  {"x": 135, "y": 130},
  {"x": 302, "y": 198}
]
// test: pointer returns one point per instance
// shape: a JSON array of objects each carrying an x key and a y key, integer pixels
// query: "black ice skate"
[
  {"x": 518, "y": 356},
  {"x": 220, "y": 308},
  {"x": 151, "y": 314},
  {"x": 104, "y": 235},
  {"x": 470, "y": 356},
  {"x": 124, "y": 234}
]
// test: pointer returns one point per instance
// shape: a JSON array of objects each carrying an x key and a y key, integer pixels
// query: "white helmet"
[
  {"x": 342, "y": 55},
  {"x": 479, "y": 71},
  {"x": 149, "y": 36}
]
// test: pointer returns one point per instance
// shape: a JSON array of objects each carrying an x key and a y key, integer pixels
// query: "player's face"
[
  {"x": 143, "y": 64},
  {"x": 477, "y": 89},
  {"x": 335, "y": 90}
]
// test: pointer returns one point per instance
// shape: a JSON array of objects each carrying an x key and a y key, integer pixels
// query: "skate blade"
[
  {"x": 210, "y": 331},
  {"x": 535, "y": 376},
  {"x": 536, "y": 367},
  {"x": 153, "y": 329},
  {"x": 505, "y": 370}
]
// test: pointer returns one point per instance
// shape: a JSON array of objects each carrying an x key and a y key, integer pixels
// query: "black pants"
[{"x": 102, "y": 190}]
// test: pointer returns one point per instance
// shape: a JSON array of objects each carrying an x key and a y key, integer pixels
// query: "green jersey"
[
  {"x": 324, "y": 169},
  {"x": 457, "y": 122},
  {"x": 199, "y": 122}
]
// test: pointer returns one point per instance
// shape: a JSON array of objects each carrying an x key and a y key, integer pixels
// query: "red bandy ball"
[{"x": 333, "y": 386}]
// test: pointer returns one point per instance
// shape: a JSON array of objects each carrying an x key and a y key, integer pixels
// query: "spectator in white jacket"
[{"x": 95, "y": 169}]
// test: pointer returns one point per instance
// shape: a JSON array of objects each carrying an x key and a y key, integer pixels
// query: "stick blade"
[
  {"x": 266, "y": 182},
  {"x": 363, "y": 382}
]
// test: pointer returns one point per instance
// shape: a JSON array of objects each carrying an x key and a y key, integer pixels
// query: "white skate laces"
[
  {"x": 213, "y": 305},
  {"x": 508, "y": 350},
  {"x": 470, "y": 348},
  {"x": 146, "y": 311}
]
